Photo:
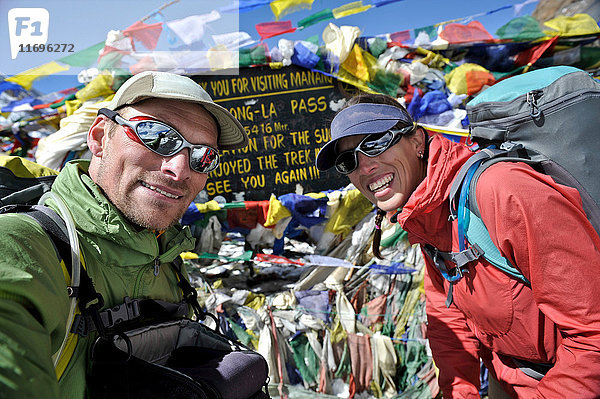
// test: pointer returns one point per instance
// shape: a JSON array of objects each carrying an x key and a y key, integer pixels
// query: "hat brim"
[
  {"x": 326, "y": 156},
  {"x": 152, "y": 84},
  {"x": 356, "y": 120}
]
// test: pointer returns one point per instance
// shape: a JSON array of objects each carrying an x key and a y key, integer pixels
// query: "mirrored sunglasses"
[
  {"x": 164, "y": 140},
  {"x": 372, "y": 145}
]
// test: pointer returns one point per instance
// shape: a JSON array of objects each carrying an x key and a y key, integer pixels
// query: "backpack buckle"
[{"x": 128, "y": 310}]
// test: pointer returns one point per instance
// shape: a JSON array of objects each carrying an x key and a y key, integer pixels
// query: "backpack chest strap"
[{"x": 460, "y": 259}]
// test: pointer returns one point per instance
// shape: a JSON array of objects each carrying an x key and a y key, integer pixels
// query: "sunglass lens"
[
  {"x": 159, "y": 137},
  {"x": 204, "y": 159},
  {"x": 346, "y": 162},
  {"x": 375, "y": 144}
]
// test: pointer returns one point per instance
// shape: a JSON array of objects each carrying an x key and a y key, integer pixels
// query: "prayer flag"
[
  {"x": 148, "y": 34},
  {"x": 243, "y": 6},
  {"x": 304, "y": 57},
  {"x": 191, "y": 29},
  {"x": 351, "y": 8},
  {"x": 233, "y": 40},
  {"x": 144, "y": 64},
  {"x": 530, "y": 56},
  {"x": 399, "y": 37},
  {"x": 458, "y": 82},
  {"x": 281, "y": 8},
  {"x": 339, "y": 40},
  {"x": 355, "y": 64},
  {"x": 322, "y": 15},
  {"x": 83, "y": 58},
  {"x": 521, "y": 28},
  {"x": 379, "y": 3},
  {"x": 519, "y": 7},
  {"x": 578, "y": 24},
  {"x": 269, "y": 29},
  {"x": 471, "y": 32},
  {"x": 25, "y": 79},
  {"x": 4, "y": 85}
]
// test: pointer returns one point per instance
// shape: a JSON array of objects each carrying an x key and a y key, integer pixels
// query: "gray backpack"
[{"x": 549, "y": 118}]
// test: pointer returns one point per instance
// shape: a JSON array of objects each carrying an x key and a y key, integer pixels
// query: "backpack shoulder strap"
[{"x": 52, "y": 224}]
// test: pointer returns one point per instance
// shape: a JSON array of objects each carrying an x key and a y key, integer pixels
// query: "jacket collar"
[
  {"x": 98, "y": 217},
  {"x": 425, "y": 214}
]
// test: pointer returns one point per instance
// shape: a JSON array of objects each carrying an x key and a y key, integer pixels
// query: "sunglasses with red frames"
[
  {"x": 164, "y": 140},
  {"x": 372, "y": 145}
]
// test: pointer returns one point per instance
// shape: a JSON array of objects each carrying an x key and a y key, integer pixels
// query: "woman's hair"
[{"x": 385, "y": 100}]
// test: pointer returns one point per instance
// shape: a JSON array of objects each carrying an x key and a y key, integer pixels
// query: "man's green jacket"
[{"x": 34, "y": 306}]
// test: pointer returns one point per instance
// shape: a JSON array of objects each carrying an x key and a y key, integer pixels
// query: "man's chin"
[{"x": 151, "y": 219}]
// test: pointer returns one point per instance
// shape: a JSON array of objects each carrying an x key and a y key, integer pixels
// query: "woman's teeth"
[
  {"x": 381, "y": 183},
  {"x": 158, "y": 190}
]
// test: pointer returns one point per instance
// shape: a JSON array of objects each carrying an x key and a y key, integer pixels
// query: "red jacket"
[{"x": 540, "y": 227}]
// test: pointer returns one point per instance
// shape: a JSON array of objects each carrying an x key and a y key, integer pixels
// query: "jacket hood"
[
  {"x": 96, "y": 215},
  {"x": 426, "y": 212}
]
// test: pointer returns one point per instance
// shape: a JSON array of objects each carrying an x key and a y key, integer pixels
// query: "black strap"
[
  {"x": 190, "y": 295},
  {"x": 131, "y": 310},
  {"x": 90, "y": 301}
]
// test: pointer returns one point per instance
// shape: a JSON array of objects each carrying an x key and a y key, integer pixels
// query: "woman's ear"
[
  {"x": 97, "y": 136},
  {"x": 418, "y": 139}
]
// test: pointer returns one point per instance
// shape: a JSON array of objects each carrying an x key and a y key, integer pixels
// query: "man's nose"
[{"x": 177, "y": 166}]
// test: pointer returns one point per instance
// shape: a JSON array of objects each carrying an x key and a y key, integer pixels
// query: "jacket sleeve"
[
  {"x": 33, "y": 309},
  {"x": 454, "y": 347},
  {"x": 542, "y": 228}
]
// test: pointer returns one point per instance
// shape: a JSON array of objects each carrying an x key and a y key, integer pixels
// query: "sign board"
[{"x": 286, "y": 113}]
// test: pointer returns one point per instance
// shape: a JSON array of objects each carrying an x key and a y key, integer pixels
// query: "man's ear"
[{"x": 97, "y": 136}]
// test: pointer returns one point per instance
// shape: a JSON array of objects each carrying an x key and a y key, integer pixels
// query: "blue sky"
[{"x": 85, "y": 22}]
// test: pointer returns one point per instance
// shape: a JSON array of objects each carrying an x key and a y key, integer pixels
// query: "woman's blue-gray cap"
[{"x": 358, "y": 119}]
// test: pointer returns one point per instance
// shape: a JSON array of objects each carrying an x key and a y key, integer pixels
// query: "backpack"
[
  {"x": 546, "y": 118},
  {"x": 146, "y": 348}
]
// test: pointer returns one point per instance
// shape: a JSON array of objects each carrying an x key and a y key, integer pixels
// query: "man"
[{"x": 151, "y": 151}]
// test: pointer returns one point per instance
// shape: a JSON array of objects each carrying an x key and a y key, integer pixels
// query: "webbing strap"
[
  {"x": 486, "y": 153},
  {"x": 190, "y": 295},
  {"x": 460, "y": 259},
  {"x": 129, "y": 310}
]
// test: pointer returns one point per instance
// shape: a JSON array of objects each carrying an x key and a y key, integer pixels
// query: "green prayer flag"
[
  {"x": 83, "y": 58},
  {"x": 322, "y": 15}
]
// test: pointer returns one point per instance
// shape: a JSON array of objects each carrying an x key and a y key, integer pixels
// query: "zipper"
[
  {"x": 548, "y": 108},
  {"x": 156, "y": 266}
]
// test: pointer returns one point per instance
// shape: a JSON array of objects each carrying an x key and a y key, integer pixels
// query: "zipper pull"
[
  {"x": 532, "y": 97},
  {"x": 156, "y": 266}
]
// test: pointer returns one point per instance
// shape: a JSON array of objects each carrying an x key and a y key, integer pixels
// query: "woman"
[{"x": 550, "y": 330}]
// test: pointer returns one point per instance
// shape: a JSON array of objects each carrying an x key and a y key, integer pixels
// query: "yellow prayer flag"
[
  {"x": 578, "y": 24},
  {"x": 348, "y": 9},
  {"x": 210, "y": 206},
  {"x": 353, "y": 207},
  {"x": 276, "y": 212},
  {"x": 188, "y": 255},
  {"x": 72, "y": 106},
  {"x": 355, "y": 64},
  {"x": 100, "y": 86},
  {"x": 284, "y": 7},
  {"x": 25, "y": 79},
  {"x": 456, "y": 80}
]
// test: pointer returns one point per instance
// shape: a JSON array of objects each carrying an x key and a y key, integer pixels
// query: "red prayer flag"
[
  {"x": 471, "y": 32},
  {"x": 269, "y": 29},
  {"x": 147, "y": 34},
  {"x": 477, "y": 79},
  {"x": 530, "y": 56},
  {"x": 399, "y": 37}
]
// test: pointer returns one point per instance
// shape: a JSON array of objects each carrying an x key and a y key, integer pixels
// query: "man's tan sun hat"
[{"x": 152, "y": 84}]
